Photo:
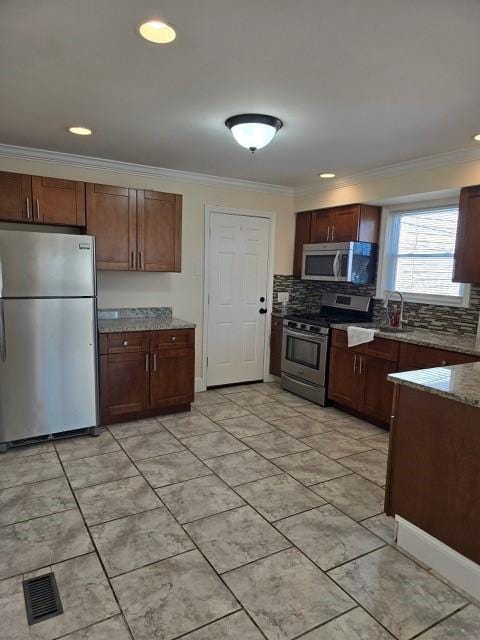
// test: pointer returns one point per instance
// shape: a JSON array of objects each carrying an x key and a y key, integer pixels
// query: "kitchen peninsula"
[{"x": 434, "y": 469}]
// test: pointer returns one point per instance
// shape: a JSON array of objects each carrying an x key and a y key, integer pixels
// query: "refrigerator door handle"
[{"x": 3, "y": 346}]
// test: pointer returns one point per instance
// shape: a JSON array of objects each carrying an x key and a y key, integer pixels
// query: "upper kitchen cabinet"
[
  {"x": 159, "y": 231},
  {"x": 15, "y": 197},
  {"x": 57, "y": 201},
  {"x": 112, "y": 219},
  {"x": 40, "y": 200},
  {"x": 467, "y": 264},
  {"x": 135, "y": 230},
  {"x": 352, "y": 223},
  {"x": 302, "y": 236}
]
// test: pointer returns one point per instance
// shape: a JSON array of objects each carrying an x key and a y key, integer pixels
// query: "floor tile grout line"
[
  {"x": 96, "y": 551},
  {"x": 450, "y": 615},
  {"x": 196, "y": 547},
  {"x": 43, "y": 515},
  {"x": 280, "y": 471},
  {"x": 116, "y": 615},
  {"x": 45, "y": 566},
  {"x": 323, "y": 624}
]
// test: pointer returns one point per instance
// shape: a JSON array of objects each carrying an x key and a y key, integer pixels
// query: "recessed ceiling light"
[
  {"x": 477, "y": 137},
  {"x": 253, "y": 130},
  {"x": 157, "y": 31},
  {"x": 80, "y": 131},
  {"x": 326, "y": 175}
]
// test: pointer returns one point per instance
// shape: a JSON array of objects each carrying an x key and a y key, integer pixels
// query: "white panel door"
[{"x": 238, "y": 280}]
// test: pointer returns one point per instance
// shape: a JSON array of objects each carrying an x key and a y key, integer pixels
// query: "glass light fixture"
[
  {"x": 253, "y": 130},
  {"x": 326, "y": 175},
  {"x": 477, "y": 137}
]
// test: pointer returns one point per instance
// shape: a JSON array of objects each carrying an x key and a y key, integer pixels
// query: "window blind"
[{"x": 422, "y": 246}]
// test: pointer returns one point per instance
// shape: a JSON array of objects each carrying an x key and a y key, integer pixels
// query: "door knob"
[
  {"x": 262, "y": 311},
  {"x": 262, "y": 299}
]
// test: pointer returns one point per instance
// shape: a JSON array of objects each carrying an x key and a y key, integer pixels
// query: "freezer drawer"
[
  {"x": 46, "y": 265},
  {"x": 48, "y": 367}
]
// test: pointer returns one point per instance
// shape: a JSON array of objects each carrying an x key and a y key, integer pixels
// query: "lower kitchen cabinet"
[
  {"x": 170, "y": 378},
  {"x": 360, "y": 382},
  {"x": 358, "y": 375},
  {"x": 143, "y": 374},
  {"x": 276, "y": 338}
]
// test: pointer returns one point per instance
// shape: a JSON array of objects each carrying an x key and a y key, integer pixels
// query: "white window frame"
[{"x": 385, "y": 256}]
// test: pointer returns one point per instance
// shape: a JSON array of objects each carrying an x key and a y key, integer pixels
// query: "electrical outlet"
[{"x": 283, "y": 296}]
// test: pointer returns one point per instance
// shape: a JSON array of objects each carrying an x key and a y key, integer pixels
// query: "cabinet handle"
[
  {"x": 146, "y": 362},
  {"x": 333, "y": 232},
  {"x": 173, "y": 338},
  {"x": 29, "y": 215},
  {"x": 443, "y": 363},
  {"x": 125, "y": 343},
  {"x": 328, "y": 233},
  {"x": 37, "y": 202},
  {"x": 355, "y": 364},
  {"x": 154, "y": 361},
  {"x": 140, "y": 260},
  {"x": 361, "y": 365},
  {"x": 132, "y": 259}
]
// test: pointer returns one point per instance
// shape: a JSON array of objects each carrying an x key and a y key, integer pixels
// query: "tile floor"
[{"x": 257, "y": 515}]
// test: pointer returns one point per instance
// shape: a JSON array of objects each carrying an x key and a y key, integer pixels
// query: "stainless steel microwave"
[{"x": 340, "y": 262}]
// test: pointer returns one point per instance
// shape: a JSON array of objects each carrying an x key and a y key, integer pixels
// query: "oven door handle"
[
  {"x": 336, "y": 265},
  {"x": 297, "y": 381},
  {"x": 309, "y": 336}
]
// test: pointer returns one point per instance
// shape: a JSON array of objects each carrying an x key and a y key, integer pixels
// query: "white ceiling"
[{"x": 359, "y": 84}]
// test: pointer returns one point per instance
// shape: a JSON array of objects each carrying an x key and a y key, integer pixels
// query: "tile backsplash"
[{"x": 306, "y": 295}]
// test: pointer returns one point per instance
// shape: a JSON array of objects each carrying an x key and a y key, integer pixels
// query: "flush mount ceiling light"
[
  {"x": 157, "y": 31},
  {"x": 253, "y": 130},
  {"x": 326, "y": 175},
  {"x": 477, "y": 137},
  {"x": 80, "y": 131}
]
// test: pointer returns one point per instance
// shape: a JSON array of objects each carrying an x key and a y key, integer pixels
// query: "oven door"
[
  {"x": 327, "y": 265},
  {"x": 304, "y": 355}
]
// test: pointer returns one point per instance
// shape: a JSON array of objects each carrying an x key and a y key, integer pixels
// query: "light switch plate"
[{"x": 283, "y": 296}]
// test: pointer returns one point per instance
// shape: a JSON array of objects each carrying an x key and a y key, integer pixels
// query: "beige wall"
[
  {"x": 382, "y": 190},
  {"x": 182, "y": 291}
]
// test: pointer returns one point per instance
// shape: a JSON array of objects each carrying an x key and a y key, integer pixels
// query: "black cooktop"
[{"x": 325, "y": 318}]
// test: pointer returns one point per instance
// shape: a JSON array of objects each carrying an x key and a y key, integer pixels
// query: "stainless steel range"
[{"x": 306, "y": 341}]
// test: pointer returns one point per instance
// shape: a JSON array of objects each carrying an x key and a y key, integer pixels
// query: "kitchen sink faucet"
[{"x": 385, "y": 304}]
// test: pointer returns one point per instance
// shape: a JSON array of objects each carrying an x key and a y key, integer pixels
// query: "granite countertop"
[
  {"x": 460, "y": 382},
  {"x": 140, "y": 319},
  {"x": 437, "y": 339}
]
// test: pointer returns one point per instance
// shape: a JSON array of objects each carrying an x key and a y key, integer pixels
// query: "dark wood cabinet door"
[
  {"x": 276, "y": 338},
  {"x": 344, "y": 380},
  {"x": 320, "y": 226},
  {"x": 467, "y": 263},
  {"x": 57, "y": 201},
  {"x": 15, "y": 197},
  {"x": 302, "y": 236},
  {"x": 159, "y": 231},
  {"x": 344, "y": 224},
  {"x": 376, "y": 393},
  {"x": 124, "y": 383},
  {"x": 112, "y": 219},
  {"x": 172, "y": 377}
]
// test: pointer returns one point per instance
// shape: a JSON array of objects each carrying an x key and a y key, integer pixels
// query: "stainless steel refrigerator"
[{"x": 48, "y": 335}]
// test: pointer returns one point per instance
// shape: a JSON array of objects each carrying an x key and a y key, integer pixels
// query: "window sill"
[{"x": 440, "y": 301}]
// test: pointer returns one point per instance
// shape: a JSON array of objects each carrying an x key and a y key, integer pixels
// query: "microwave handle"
[{"x": 336, "y": 266}]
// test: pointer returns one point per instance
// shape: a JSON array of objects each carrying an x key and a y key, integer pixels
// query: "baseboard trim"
[{"x": 458, "y": 569}]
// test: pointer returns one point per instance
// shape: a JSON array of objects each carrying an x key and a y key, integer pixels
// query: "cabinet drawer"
[
  {"x": 379, "y": 348},
  {"x": 128, "y": 342},
  {"x": 414, "y": 356},
  {"x": 174, "y": 338}
]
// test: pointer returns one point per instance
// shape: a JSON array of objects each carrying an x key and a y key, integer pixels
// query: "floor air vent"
[{"x": 42, "y": 598}]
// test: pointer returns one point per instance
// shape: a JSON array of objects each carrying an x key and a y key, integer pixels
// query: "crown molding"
[
  {"x": 128, "y": 168},
  {"x": 459, "y": 156}
]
